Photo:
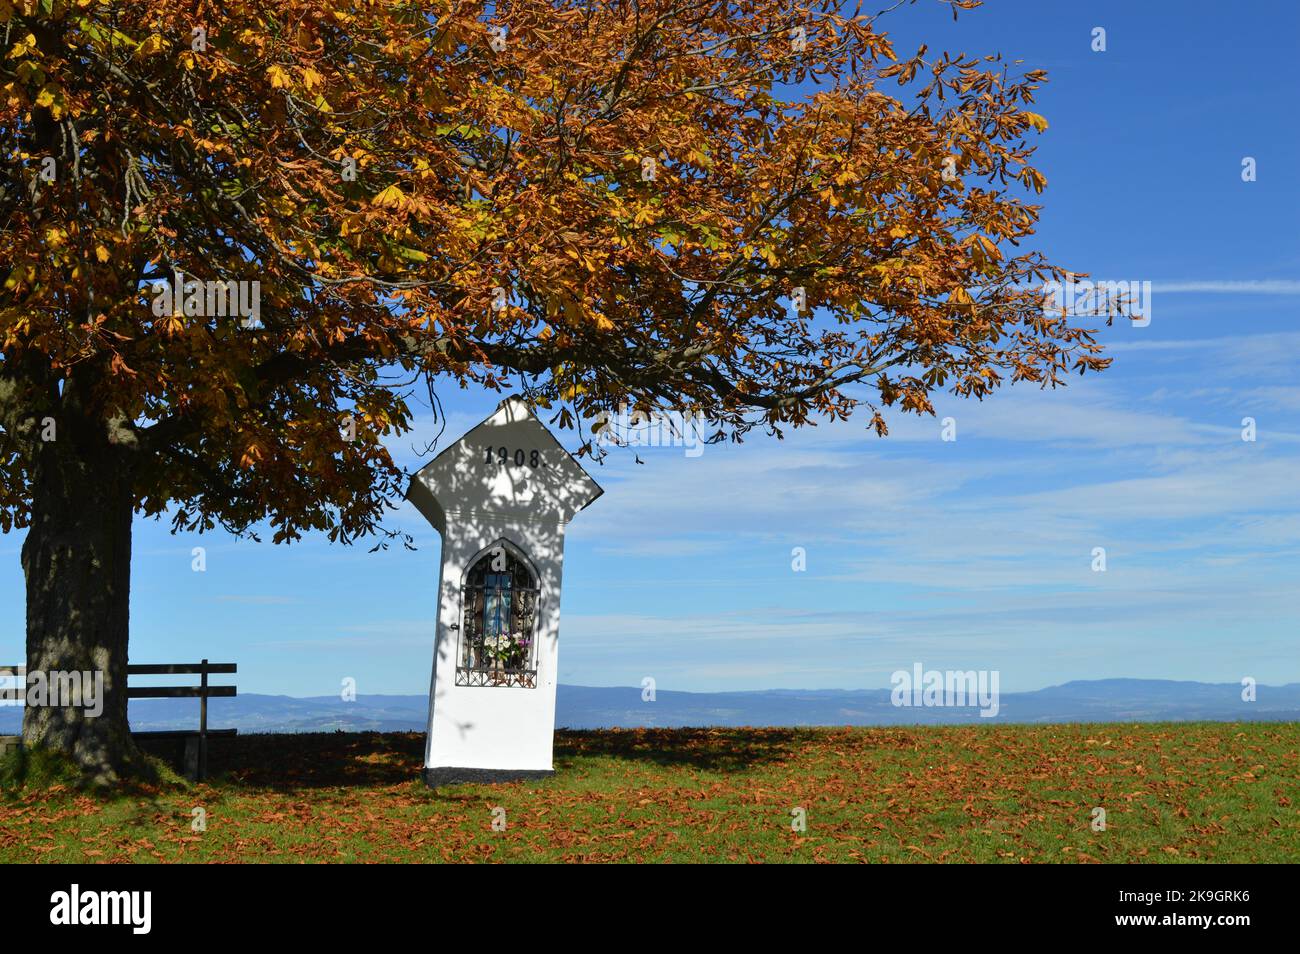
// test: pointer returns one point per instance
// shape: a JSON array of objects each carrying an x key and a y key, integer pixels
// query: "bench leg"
[{"x": 193, "y": 762}]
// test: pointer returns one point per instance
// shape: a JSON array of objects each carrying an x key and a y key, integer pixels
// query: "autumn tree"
[{"x": 756, "y": 210}]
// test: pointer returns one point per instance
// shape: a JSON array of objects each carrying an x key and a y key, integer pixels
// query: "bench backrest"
[{"x": 201, "y": 691}]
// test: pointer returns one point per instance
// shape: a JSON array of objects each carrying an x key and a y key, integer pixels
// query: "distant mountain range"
[{"x": 589, "y": 707}]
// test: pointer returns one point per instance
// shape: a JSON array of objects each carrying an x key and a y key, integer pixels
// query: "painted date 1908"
[{"x": 519, "y": 457}]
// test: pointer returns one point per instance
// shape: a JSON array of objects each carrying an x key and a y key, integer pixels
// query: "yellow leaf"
[
  {"x": 101, "y": 253},
  {"x": 1035, "y": 120},
  {"x": 51, "y": 97},
  {"x": 279, "y": 78},
  {"x": 154, "y": 44},
  {"x": 390, "y": 198}
]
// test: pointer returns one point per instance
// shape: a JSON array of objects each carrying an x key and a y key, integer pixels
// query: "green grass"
[{"x": 1180, "y": 792}]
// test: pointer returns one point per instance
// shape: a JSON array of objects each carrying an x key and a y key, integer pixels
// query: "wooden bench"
[{"x": 195, "y": 755}]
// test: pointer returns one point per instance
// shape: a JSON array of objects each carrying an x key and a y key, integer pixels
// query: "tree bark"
[{"x": 77, "y": 564}]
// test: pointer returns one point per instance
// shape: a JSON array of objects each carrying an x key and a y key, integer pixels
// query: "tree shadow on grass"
[
  {"x": 374, "y": 759},
  {"x": 316, "y": 759},
  {"x": 710, "y": 749}
]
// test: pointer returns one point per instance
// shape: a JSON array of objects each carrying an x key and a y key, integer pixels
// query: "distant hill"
[{"x": 591, "y": 707}]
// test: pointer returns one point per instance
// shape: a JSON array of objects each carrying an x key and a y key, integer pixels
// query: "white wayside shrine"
[{"x": 500, "y": 497}]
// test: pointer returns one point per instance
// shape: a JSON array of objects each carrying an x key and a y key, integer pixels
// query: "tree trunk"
[{"x": 77, "y": 562}]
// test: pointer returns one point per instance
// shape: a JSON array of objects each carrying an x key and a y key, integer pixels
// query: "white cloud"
[{"x": 1246, "y": 287}]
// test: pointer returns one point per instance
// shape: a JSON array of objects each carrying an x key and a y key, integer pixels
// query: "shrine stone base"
[{"x": 444, "y": 776}]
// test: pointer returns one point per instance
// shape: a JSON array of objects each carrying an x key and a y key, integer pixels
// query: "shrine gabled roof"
[{"x": 509, "y": 462}]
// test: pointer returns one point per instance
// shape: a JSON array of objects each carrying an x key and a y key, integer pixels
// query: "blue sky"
[{"x": 970, "y": 554}]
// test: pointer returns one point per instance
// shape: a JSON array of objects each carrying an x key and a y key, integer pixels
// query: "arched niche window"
[{"x": 498, "y": 645}]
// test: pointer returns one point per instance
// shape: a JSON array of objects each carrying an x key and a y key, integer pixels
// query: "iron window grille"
[{"x": 498, "y": 645}]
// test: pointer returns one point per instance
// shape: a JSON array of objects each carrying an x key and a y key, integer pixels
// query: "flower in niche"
[{"x": 507, "y": 650}]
